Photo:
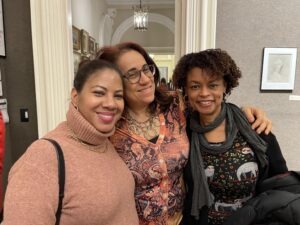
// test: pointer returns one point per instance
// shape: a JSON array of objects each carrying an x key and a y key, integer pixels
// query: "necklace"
[
  {"x": 95, "y": 148},
  {"x": 148, "y": 129}
]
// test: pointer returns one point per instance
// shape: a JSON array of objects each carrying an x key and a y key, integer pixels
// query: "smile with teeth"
[
  {"x": 106, "y": 117},
  {"x": 205, "y": 103}
]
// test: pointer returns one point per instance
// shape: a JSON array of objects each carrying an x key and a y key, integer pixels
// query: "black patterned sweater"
[{"x": 232, "y": 177}]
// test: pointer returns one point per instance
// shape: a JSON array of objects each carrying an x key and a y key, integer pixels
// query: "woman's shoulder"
[
  {"x": 269, "y": 138},
  {"x": 40, "y": 156},
  {"x": 177, "y": 101}
]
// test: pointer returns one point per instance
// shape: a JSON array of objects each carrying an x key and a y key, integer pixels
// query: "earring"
[
  {"x": 76, "y": 107},
  {"x": 186, "y": 99}
]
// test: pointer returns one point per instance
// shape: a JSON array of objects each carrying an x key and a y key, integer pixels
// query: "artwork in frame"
[
  {"x": 2, "y": 39},
  {"x": 76, "y": 34},
  {"x": 279, "y": 68},
  {"x": 84, "y": 42},
  {"x": 92, "y": 45}
]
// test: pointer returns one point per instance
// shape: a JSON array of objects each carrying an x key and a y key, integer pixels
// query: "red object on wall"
[{"x": 2, "y": 146}]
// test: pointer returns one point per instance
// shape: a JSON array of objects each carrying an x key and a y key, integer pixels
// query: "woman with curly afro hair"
[
  {"x": 227, "y": 157},
  {"x": 214, "y": 61}
]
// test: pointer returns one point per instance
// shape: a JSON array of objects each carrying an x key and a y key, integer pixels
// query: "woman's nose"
[
  {"x": 203, "y": 91},
  {"x": 144, "y": 78},
  {"x": 110, "y": 102}
]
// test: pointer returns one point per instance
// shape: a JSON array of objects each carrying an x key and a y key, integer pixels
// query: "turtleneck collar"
[{"x": 83, "y": 130}]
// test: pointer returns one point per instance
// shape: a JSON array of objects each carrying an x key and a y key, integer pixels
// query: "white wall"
[
  {"x": 92, "y": 16},
  {"x": 87, "y": 15},
  {"x": 157, "y": 36},
  {"x": 244, "y": 28}
]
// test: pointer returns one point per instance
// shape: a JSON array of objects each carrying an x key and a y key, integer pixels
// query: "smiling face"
[
  {"x": 140, "y": 94},
  {"x": 205, "y": 93},
  {"x": 101, "y": 100}
]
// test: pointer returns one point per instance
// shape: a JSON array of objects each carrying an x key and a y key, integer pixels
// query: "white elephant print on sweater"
[
  {"x": 227, "y": 207},
  {"x": 246, "y": 168},
  {"x": 245, "y": 199},
  {"x": 209, "y": 172},
  {"x": 247, "y": 150}
]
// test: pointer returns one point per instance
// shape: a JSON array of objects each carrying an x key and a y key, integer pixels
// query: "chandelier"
[{"x": 140, "y": 17}]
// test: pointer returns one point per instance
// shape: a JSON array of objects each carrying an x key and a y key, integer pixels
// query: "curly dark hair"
[
  {"x": 112, "y": 54},
  {"x": 216, "y": 62}
]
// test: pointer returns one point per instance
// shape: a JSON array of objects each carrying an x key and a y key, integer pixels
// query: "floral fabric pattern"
[{"x": 157, "y": 167}]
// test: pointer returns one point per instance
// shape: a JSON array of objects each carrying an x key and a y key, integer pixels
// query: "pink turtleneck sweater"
[{"x": 99, "y": 188}]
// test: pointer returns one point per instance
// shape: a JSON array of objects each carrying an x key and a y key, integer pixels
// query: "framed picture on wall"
[
  {"x": 2, "y": 37},
  {"x": 91, "y": 45},
  {"x": 76, "y": 38},
  {"x": 279, "y": 67},
  {"x": 84, "y": 42}
]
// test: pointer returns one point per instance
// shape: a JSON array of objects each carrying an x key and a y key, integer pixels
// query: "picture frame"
[
  {"x": 2, "y": 36},
  {"x": 76, "y": 36},
  {"x": 279, "y": 68},
  {"x": 84, "y": 42},
  {"x": 92, "y": 42}
]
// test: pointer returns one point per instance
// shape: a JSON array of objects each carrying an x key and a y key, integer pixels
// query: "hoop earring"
[{"x": 186, "y": 100}]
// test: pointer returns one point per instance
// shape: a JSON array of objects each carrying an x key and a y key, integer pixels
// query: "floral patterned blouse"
[{"x": 157, "y": 167}]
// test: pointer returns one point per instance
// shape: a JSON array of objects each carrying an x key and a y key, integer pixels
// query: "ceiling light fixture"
[{"x": 140, "y": 17}]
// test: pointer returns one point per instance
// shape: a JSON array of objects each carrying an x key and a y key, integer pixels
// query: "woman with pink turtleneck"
[{"x": 99, "y": 188}]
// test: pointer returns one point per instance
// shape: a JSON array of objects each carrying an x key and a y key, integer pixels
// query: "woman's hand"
[{"x": 258, "y": 119}]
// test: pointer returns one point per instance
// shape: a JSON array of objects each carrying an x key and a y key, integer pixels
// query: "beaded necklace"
[{"x": 148, "y": 129}]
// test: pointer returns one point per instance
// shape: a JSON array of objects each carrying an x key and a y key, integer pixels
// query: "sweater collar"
[{"x": 83, "y": 130}]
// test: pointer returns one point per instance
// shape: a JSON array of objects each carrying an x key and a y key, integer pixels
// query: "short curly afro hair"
[{"x": 214, "y": 61}]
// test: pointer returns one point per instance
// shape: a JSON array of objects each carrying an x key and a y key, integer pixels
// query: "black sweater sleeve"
[{"x": 277, "y": 163}]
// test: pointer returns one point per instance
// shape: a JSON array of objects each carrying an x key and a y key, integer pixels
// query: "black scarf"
[{"x": 235, "y": 121}]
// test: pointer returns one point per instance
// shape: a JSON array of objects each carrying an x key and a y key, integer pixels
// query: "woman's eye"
[
  {"x": 133, "y": 74},
  {"x": 146, "y": 70},
  {"x": 99, "y": 93},
  {"x": 194, "y": 86},
  {"x": 119, "y": 96},
  {"x": 213, "y": 85}
]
